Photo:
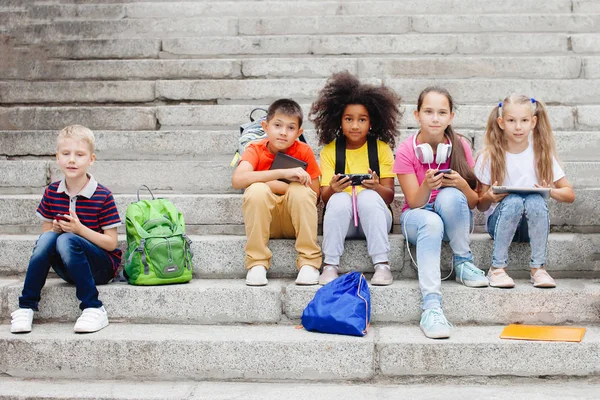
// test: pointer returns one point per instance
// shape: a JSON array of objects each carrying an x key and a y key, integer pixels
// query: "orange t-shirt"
[{"x": 261, "y": 158}]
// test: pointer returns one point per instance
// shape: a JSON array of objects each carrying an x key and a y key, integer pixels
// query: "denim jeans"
[
  {"x": 448, "y": 219},
  {"x": 75, "y": 259},
  {"x": 374, "y": 223},
  {"x": 520, "y": 218}
]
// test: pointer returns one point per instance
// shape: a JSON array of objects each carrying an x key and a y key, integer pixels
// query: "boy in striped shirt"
[{"x": 79, "y": 235}]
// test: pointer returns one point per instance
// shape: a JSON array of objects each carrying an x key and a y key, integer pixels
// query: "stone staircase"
[{"x": 164, "y": 84}]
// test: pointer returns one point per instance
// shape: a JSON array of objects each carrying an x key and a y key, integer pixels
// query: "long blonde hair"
[{"x": 544, "y": 147}]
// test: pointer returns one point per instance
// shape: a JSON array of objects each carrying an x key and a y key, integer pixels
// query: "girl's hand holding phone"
[
  {"x": 433, "y": 181},
  {"x": 339, "y": 182},
  {"x": 453, "y": 179},
  {"x": 371, "y": 183}
]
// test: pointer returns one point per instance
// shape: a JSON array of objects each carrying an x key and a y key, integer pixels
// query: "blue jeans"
[
  {"x": 448, "y": 219},
  {"x": 75, "y": 259},
  {"x": 520, "y": 218}
]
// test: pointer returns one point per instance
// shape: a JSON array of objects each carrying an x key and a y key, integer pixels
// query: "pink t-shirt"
[{"x": 407, "y": 163}]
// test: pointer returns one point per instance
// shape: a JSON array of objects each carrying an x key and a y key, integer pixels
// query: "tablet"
[
  {"x": 545, "y": 192},
  {"x": 283, "y": 161}
]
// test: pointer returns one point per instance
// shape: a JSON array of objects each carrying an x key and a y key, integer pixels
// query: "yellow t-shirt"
[{"x": 357, "y": 162}]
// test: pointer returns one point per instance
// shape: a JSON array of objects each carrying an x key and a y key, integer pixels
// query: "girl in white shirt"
[{"x": 519, "y": 152}]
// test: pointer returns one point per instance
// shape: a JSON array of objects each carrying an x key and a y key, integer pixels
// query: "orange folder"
[{"x": 545, "y": 333}]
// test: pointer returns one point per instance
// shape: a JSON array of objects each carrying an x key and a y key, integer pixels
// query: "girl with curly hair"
[
  {"x": 438, "y": 187},
  {"x": 357, "y": 124}
]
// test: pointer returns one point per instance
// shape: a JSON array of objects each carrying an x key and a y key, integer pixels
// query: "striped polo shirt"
[{"x": 94, "y": 205}]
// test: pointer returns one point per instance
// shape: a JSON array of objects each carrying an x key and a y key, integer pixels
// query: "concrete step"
[
  {"x": 213, "y": 301},
  {"x": 524, "y": 67},
  {"x": 405, "y": 44},
  {"x": 155, "y": 9},
  {"x": 222, "y": 213},
  {"x": 185, "y": 352},
  {"x": 436, "y": 389},
  {"x": 192, "y": 116},
  {"x": 214, "y": 176},
  {"x": 203, "y": 145},
  {"x": 385, "y": 23},
  {"x": 77, "y": 92},
  {"x": 569, "y": 255},
  {"x": 464, "y": 91}
]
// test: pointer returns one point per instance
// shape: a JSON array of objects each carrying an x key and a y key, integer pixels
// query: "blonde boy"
[
  {"x": 276, "y": 209},
  {"x": 79, "y": 235}
]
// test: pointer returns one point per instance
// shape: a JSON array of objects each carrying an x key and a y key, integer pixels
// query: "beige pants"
[{"x": 292, "y": 215}]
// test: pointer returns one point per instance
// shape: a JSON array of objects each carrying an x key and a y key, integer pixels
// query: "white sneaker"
[
  {"x": 91, "y": 320},
  {"x": 257, "y": 276},
  {"x": 382, "y": 276},
  {"x": 330, "y": 273},
  {"x": 308, "y": 275},
  {"x": 21, "y": 321}
]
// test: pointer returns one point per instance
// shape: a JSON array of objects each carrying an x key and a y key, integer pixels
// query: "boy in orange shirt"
[{"x": 276, "y": 209}]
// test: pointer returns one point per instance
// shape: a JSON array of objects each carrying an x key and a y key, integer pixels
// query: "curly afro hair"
[{"x": 343, "y": 89}]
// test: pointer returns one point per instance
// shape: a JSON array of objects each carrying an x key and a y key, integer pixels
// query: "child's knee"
[
  {"x": 45, "y": 243},
  {"x": 256, "y": 192},
  {"x": 535, "y": 206},
  {"x": 298, "y": 191},
  {"x": 450, "y": 196},
  {"x": 432, "y": 226},
  {"x": 339, "y": 202},
  {"x": 67, "y": 243},
  {"x": 513, "y": 204}
]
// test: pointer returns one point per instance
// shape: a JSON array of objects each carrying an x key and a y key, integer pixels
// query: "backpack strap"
[{"x": 340, "y": 154}]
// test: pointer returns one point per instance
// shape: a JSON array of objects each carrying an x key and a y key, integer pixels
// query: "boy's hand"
[
  {"x": 495, "y": 198},
  {"x": 297, "y": 175},
  {"x": 56, "y": 226},
  {"x": 338, "y": 183},
  {"x": 371, "y": 183},
  {"x": 432, "y": 181},
  {"x": 73, "y": 225}
]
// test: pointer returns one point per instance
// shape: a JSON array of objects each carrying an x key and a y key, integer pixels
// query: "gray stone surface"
[
  {"x": 572, "y": 302},
  {"x": 184, "y": 352},
  {"x": 200, "y": 301},
  {"x": 298, "y": 67},
  {"x": 536, "y": 43},
  {"x": 320, "y": 25},
  {"x": 591, "y": 66},
  {"x": 77, "y": 92},
  {"x": 533, "y": 389},
  {"x": 586, "y": 6},
  {"x": 585, "y": 43},
  {"x": 4, "y": 306},
  {"x": 125, "y": 69},
  {"x": 588, "y": 117},
  {"x": 129, "y": 145},
  {"x": 478, "y": 351},
  {"x": 19, "y": 175},
  {"x": 58, "y": 31},
  {"x": 104, "y": 49},
  {"x": 76, "y": 11},
  {"x": 473, "y": 67},
  {"x": 35, "y": 118},
  {"x": 222, "y": 256}
]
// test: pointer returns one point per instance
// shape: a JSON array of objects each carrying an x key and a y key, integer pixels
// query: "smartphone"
[
  {"x": 443, "y": 171},
  {"x": 60, "y": 217},
  {"x": 356, "y": 179}
]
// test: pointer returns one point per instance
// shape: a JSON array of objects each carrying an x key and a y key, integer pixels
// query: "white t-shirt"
[{"x": 520, "y": 171}]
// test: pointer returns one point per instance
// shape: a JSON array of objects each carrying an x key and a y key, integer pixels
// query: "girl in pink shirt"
[{"x": 435, "y": 171}]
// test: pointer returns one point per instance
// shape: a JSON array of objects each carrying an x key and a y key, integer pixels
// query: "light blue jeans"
[
  {"x": 374, "y": 223},
  {"x": 520, "y": 218},
  {"x": 448, "y": 219}
]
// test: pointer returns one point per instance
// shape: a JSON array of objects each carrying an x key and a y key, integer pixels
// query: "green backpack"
[{"x": 158, "y": 251}]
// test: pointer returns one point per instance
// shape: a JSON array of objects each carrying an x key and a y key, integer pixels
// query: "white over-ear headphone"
[{"x": 424, "y": 152}]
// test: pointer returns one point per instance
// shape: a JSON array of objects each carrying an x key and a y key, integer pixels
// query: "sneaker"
[
  {"x": 257, "y": 276},
  {"x": 330, "y": 273},
  {"x": 434, "y": 324},
  {"x": 499, "y": 278},
  {"x": 21, "y": 321},
  {"x": 382, "y": 276},
  {"x": 542, "y": 279},
  {"x": 469, "y": 275},
  {"x": 91, "y": 320},
  {"x": 308, "y": 275}
]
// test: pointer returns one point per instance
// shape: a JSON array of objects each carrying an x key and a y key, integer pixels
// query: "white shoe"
[
  {"x": 382, "y": 276},
  {"x": 308, "y": 275},
  {"x": 21, "y": 321},
  {"x": 257, "y": 276},
  {"x": 330, "y": 273},
  {"x": 91, "y": 320}
]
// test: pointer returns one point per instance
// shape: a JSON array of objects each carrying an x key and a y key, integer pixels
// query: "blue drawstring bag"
[{"x": 342, "y": 306}]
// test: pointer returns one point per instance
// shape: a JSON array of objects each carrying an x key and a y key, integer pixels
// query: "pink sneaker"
[
  {"x": 542, "y": 279},
  {"x": 499, "y": 278}
]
